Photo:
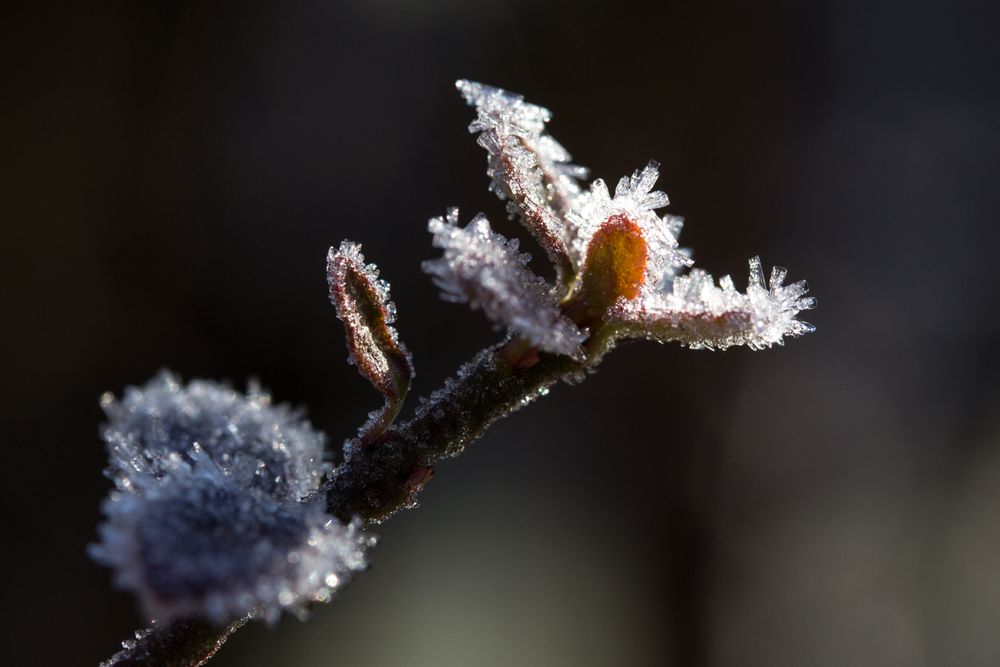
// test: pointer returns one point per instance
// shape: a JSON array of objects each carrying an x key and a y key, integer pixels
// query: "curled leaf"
[{"x": 362, "y": 302}]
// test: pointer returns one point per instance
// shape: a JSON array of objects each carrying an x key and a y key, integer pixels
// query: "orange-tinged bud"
[{"x": 614, "y": 268}]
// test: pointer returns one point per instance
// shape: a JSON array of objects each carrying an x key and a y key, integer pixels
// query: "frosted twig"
[{"x": 224, "y": 507}]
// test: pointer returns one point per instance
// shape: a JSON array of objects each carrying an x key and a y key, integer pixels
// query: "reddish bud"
[{"x": 614, "y": 267}]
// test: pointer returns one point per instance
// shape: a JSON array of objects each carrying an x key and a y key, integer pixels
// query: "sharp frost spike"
[
  {"x": 756, "y": 273},
  {"x": 485, "y": 270},
  {"x": 362, "y": 302},
  {"x": 639, "y": 187},
  {"x": 528, "y": 168},
  {"x": 215, "y": 512},
  {"x": 778, "y": 274}
]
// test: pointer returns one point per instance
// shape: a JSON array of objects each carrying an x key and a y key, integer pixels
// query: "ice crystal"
[
  {"x": 271, "y": 447},
  {"x": 527, "y": 167},
  {"x": 215, "y": 510},
  {"x": 373, "y": 345},
  {"x": 486, "y": 270},
  {"x": 700, "y": 314}
]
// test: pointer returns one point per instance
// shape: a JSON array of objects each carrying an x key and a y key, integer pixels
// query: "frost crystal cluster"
[
  {"x": 619, "y": 269},
  {"x": 215, "y": 511},
  {"x": 486, "y": 270}
]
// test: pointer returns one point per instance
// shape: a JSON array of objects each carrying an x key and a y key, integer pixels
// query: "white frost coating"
[
  {"x": 527, "y": 167},
  {"x": 363, "y": 305},
  {"x": 351, "y": 252},
  {"x": 700, "y": 314},
  {"x": 635, "y": 199},
  {"x": 486, "y": 270},
  {"x": 272, "y": 446},
  {"x": 500, "y": 108},
  {"x": 532, "y": 170},
  {"x": 215, "y": 513}
]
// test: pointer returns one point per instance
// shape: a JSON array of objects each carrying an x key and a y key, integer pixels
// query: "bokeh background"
[{"x": 174, "y": 172}]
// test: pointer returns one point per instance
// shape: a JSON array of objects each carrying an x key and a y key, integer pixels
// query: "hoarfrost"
[
  {"x": 486, "y": 270},
  {"x": 700, "y": 314},
  {"x": 373, "y": 345},
  {"x": 527, "y": 167},
  {"x": 636, "y": 200},
  {"x": 532, "y": 170},
  {"x": 153, "y": 428},
  {"x": 215, "y": 511}
]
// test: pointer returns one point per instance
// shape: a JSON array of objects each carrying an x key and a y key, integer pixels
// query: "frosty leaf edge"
[{"x": 363, "y": 305}]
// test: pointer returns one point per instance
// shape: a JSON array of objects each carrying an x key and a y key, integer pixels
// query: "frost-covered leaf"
[
  {"x": 528, "y": 167},
  {"x": 700, "y": 314},
  {"x": 363, "y": 304},
  {"x": 485, "y": 270},
  {"x": 215, "y": 512},
  {"x": 200, "y": 543},
  {"x": 271, "y": 448}
]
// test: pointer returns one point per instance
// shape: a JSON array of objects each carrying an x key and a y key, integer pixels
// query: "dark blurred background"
[{"x": 173, "y": 174}]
